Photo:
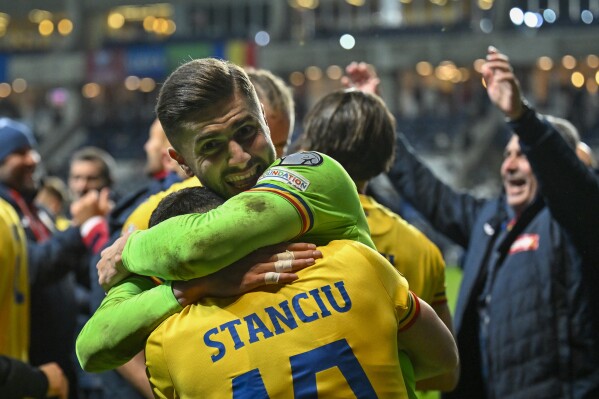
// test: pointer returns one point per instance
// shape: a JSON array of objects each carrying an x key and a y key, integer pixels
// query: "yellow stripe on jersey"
[
  {"x": 140, "y": 217},
  {"x": 298, "y": 203},
  {"x": 413, "y": 310}
]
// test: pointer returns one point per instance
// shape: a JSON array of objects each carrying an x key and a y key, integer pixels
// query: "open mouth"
[
  {"x": 516, "y": 182},
  {"x": 515, "y": 186},
  {"x": 245, "y": 179}
]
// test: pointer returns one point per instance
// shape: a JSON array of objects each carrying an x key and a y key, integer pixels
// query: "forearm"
[
  {"x": 118, "y": 329},
  {"x": 445, "y": 382},
  {"x": 429, "y": 344},
  {"x": 195, "y": 245},
  {"x": 134, "y": 371}
]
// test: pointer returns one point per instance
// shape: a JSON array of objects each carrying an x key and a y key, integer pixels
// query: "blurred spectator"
[
  {"x": 17, "y": 378},
  {"x": 53, "y": 196},
  {"x": 526, "y": 320},
  {"x": 91, "y": 168},
  {"x": 52, "y": 254},
  {"x": 158, "y": 163},
  {"x": 91, "y": 172},
  {"x": 277, "y": 99},
  {"x": 163, "y": 170}
]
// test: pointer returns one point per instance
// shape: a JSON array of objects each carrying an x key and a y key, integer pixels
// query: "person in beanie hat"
[{"x": 52, "y": 255}]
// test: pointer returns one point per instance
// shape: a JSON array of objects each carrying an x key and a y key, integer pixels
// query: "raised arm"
[{"x": 565, "y": 183}]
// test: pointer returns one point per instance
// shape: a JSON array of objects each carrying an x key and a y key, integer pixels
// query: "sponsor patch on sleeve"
[
  {"x": 286, "y": 176},
  {"x": 305, "y": 158}
]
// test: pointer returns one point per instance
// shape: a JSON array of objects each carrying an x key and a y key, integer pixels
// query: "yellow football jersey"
[
  {"x": 410, "y": 251},
  {"x": 14, "y": 285},
  {"x": 140, "y": 217},
  {"x": 332, "y": 333}
]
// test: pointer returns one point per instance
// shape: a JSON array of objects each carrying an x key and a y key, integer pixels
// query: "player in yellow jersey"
[
  {"x": 357, "y": 129},
  {"x": 17, "y": 378},
  {"x": 306, "y": 338},
  {"x": 14, "y": 285}
]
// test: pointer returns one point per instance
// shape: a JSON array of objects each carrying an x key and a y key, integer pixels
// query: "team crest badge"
[{"x": 305, "y": 158}]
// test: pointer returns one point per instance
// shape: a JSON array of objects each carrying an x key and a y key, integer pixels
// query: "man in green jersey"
[{"x": 212, "y": 117}]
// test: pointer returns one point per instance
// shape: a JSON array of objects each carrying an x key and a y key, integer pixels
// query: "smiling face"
[
  {"x": 518, "y": 179},
  {"x": 227, "y": 148},
  {"x": 18, "y": 169}
]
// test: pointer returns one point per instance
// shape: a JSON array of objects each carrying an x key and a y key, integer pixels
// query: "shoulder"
[
  {"x": 307, "y": 171},
  {"x": 361, "y": 259},
  {"x": 140, "y": 217}
]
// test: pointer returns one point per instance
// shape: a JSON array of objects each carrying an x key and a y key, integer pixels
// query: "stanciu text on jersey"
[{"x": 288, "y": 313}]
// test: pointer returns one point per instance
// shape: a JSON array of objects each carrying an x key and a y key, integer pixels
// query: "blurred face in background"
[
  {"x": 18, "y": 170},
  {"x": 280, "y": 126},
  {"x": 84, "y": 176},
  {"x": 518, "y": 179},
  {"x": 155, "y": 149}
]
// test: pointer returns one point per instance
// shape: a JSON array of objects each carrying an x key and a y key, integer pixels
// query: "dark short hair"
[
  {"x": 355, "y": 128},
  {"x": 196, "y": 86},
  {"x": 182, "y": 202},
  {"x": 101, "y": 157}
]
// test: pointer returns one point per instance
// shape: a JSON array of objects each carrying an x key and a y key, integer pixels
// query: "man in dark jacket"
[
  {"x": 527, "y": 316},
  {"x": 52, "y": 255}
]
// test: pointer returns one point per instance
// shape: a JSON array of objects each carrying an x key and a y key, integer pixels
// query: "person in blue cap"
[{"x": 52, "y": 255}]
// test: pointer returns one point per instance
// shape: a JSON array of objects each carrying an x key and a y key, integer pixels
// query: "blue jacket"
[
  {"x": 53, "y": 305},
  {"x": 543, "y": 274}
]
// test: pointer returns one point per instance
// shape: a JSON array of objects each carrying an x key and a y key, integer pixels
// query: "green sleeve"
[
  {"x": 118, "y": 329},
  {"x": 305, "y": 196}
]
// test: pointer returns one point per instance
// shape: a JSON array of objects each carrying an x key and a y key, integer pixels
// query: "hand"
[
  {"x": 253, "y": 271},
  {"x": 92, "y": 203},
  {"x": 361, "y": 76},
  {"x": 110, "y": 266},
  {"x": 502, "y": 86},
  {"x": 58, "y": 385}
]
